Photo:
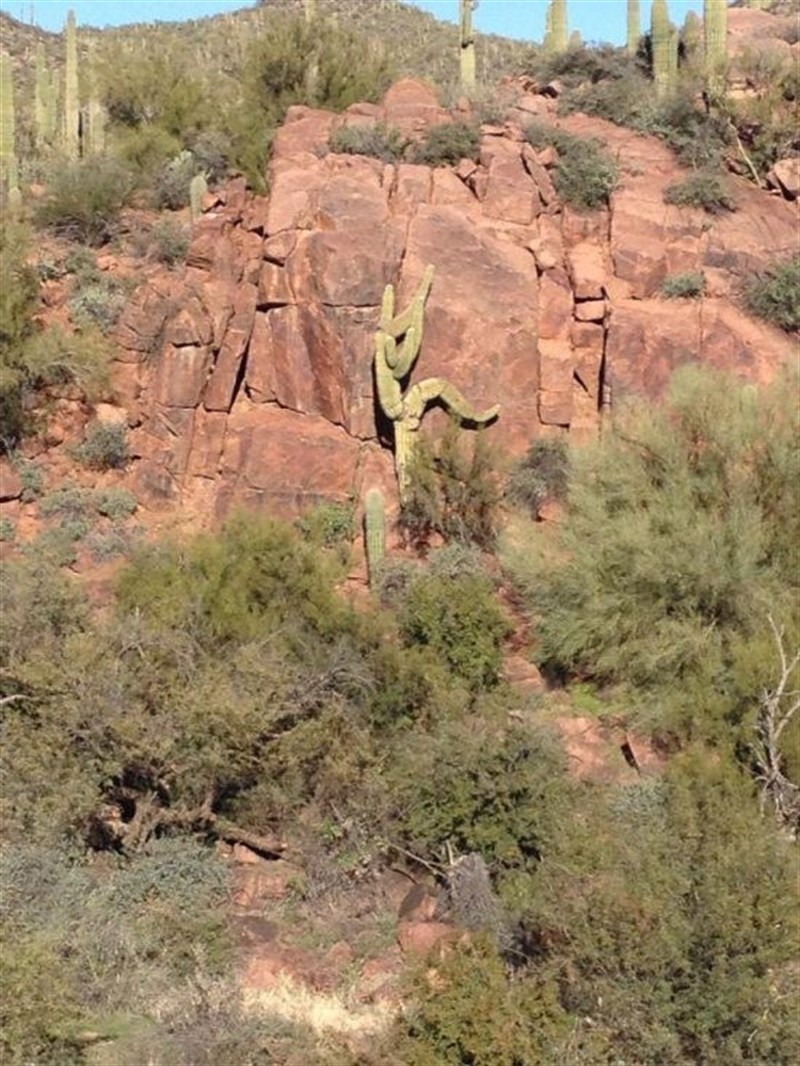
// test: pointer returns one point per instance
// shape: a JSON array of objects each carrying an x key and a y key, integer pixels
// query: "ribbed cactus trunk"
[
  {"x": 374, "y": 532},
  {"x": 674, "y": 44},
  {"x": 8, "y": 126},
  {"x": 634, "y": 26},
  {"x": 198, "y": 187},
  {"x": 40, "y": 90},
  {"x": 660, "y": 37},
  {"x": 692, "y": 36},
  {"x": 467, "y": 46},
  {"x": 71, "y": 98},
  {"x": 560, "y": 27},
  {"x": 715, "y": 15},
  {"x": 93, "y": 120}
]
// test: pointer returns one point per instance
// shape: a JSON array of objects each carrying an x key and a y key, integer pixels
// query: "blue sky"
[{"x": 598, "y": 20}]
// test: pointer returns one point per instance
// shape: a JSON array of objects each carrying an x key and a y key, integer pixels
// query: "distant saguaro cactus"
[
  {"x": 198, "y": 187},
  {"x": 71, "y": 96},
  {"x": 557, "y": 35},
  {"x": 660, "y": 36},
  {"x": 634, "y": 27},
  {"x": 467, "y": 45},
  {"x": 8, "y": 125},
  {"x": 40, "y": 91},
  {"x": 715, "y": 17}
]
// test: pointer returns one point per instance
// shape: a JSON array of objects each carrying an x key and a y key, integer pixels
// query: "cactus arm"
[
  {"x": 424, "y": 393},
  {"x": 387, "y": 309},
  {"x": 715, "y": 17},
  {"x": 660, "y": 36},
  {"x": 634, "y": 27},
  {"x": 467, "y": 45},
  {"x": 390, "y": 396},
  {"x": 397, "y": 325}
]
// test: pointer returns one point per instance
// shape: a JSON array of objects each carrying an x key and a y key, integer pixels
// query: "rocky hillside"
[{"x": 249, "y": 376}]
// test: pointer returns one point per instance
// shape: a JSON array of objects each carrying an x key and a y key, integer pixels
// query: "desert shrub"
[
  {"x": 98, "y": 303},
  {"x": 115, "y": 503},
  {"x": 171, "y": 189},
  {"x": 104, "y": 447},
  {"x": 111, "y": 544},
  {"x": 681, "y": 534},
  {"x": 703, "y": 189},
  {"x": 478, "y": 786},
  {"x": 459, "y": 619},
  {"x": 7, "y": 530},
  {"x": 585, "y": 175},
  {"x": 775, "y": 295},
  {"x": 67, "y": 502},
  {"x": 446, "y": 144},
  {"x": 84, "y": 199},
  {"x": 18, "y": 299},
  {"x": 393, "y": 580},
  {"x": 690, "y": 285},
  {"x": 473, "y": 1013},
  {"x": 587, "y": 64},
  {"x": 453, "y": 490},
  {"x": 378, "y": 141},
  {"x": 541, "y": 476},
  {"x": 53, "y": 356},
  {"x": 83, "y": 263},
  {"x": 32, "y": 478},
  {"x": 329, "y": 524},
  {"x": 170, "y": 242},
  {"x": 455, "y": 561},
  {"x": 719, "y": 916}
]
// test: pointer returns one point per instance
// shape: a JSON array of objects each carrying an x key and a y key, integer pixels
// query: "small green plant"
[
  {"x": 379, "y": 141},
  {"x": 446, "y": 144},
  {"x": 703, "y": 189},
  {"x": 100, "y": 303},
  {"x": 105, "y": 447},
  {"x": 81, "y": 261},
  {"x": 775, "y": 295},
  {"x": 110, "y": 544},
  {"x": 170, "y": 242},
  {"x": 171, "y": 190},
  {"x": 32, "y": 478},
  {"x": 329, "y": 525},
  {"x": 541, "y": 476},
  {"x": 585, "y": 174},
  {"x": 115, "y": 503},
  {"x": 688, "y": 286},
  {"x": 84, "y": 200},
  {"x": 7, "y": 529},
  {"x": 70, "y": 502}
]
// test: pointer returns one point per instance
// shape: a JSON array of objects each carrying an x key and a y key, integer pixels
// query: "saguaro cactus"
[
  {"x": 715, "y": 15},
  {"x": 374, "y": 532},
  {"x": 692, "y": 37},
  {"x": 393, "y": 363},
  {"x": 557, "y": 34},
  {"x": 467, "y": 45},
  {"x": 660, "y": 35},
  {"x": 634, "y": 26},
  {"x": 8, "y": 125},
  {"x": 198, "y": 187},
  {"x": 71, "y": 97},
  {"x": 40, "y": 90}
]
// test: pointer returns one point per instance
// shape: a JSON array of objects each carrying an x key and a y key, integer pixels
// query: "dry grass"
[{"x": 325, "y": 1013}]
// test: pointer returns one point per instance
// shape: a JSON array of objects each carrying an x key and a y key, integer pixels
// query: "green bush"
[
  {"x": 104, "y": 447},
  {"x": 53, "y": 356},
  {"x": 329, "y": 525},
  {"x": 18, "y": 301},
  {"x": 460, "y": 620},
  {"x": 170, "y": 242},
  {"x": 7, "y": 530},
  {"x": 775, "y": 295},
  {"x": 585, "y": 174},
  {"x": 171, "y": 190},
  {"x": 446, "y": 144},
  {"x": 688, "y": 286},
  {"x": 681, "y": 534},
  {"x": 83, "y": 200},
  {"x": 541, "y": 476},
  {"x": 68, "y": 502},
  {"x": 115, "y": 503},
  {"x": 378, "y": 141},
  {"x": 703, "y": 189},
  {"x": 98, "y": 303}
]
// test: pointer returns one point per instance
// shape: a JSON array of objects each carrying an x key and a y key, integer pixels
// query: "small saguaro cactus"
[
  {"x": 467, "y": 45},
  {"x": 393, "y": 363},
  {"x": 661, "y": 36},
  {"x": 374, "y": 532},
  {"x": 634, "y": 27},
  {"x": 198, "y": 187},
  {"x": 72, "y": 118},
  {"x": 715, "y": 17}
]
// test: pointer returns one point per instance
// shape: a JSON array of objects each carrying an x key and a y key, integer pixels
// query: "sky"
[{"x": 598, "y": 20}]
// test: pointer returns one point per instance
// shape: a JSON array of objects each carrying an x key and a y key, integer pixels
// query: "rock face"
[{"x": 249, "y": 377}]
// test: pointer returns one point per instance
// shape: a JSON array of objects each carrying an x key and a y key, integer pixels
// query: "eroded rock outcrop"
[{"x": 250, "y": 377}]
